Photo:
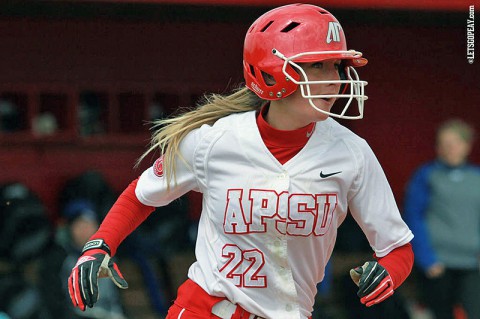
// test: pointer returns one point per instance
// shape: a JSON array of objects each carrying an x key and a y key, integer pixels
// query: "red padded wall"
[{"x": 418, "y": 76}]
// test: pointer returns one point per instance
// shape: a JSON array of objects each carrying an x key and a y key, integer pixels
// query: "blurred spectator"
[
  {"x": 32, "y": 284},
  {"x": 84, "y": 200},
  {"x": 82, "y": 223},
  {"x": 25, "y": 229},
  {"x": 30, "y": 287},
  {"x": 442, "y": 207}
]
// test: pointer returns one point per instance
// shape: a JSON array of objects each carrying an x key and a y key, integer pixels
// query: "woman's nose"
[{"x": 333, "y": 74}]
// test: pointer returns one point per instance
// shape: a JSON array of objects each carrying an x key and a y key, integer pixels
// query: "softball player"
[{"x": 277, "y": 174}]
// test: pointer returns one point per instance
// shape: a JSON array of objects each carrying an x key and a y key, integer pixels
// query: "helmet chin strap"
[{"x": 356, "y": 88}]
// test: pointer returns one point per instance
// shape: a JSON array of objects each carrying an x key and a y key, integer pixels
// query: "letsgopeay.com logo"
[{"x": 471, "y": 35}]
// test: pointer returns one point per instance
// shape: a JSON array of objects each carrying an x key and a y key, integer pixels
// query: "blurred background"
[{"x": 80, "y": 80}]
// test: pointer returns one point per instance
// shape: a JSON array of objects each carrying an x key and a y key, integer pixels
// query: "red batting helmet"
[{"x": 299, "y": 33}]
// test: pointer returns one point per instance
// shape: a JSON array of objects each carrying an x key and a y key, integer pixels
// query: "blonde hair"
[
  {"x": 169, "y": 132},
  {"x": 460, "y": 127}
]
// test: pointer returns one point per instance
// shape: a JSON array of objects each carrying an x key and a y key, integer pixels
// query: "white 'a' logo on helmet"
[{"x": 333, "y": 32}]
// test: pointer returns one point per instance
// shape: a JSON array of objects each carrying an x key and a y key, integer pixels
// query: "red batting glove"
[
  {"x": 374, "y": 282},
  {"x": 94, "y": 263}
]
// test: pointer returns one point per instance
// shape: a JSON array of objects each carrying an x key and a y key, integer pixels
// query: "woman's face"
[
  {"x": 297, "y": 109},
  {"x": 452, "y": 148}
]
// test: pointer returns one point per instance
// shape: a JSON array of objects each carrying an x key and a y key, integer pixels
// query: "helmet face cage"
[
  {"x": 355, "y": 88},
  {"x": 299, "y": 33}
]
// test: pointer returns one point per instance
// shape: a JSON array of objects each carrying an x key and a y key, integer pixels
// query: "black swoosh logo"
[{"x": 328, "y": 175}]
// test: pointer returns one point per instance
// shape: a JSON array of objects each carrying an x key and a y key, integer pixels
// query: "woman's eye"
[
  {"x": 337, "y": 66},
  {"x": 317, "y": 65}
]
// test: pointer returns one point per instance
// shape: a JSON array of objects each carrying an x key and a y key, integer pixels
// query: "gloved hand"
[
  {"x": 374, "y": 282},
  {"x": 94, "y": 263}
]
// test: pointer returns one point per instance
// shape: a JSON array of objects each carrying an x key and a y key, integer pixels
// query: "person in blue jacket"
[{"x": 442, "y": 208}]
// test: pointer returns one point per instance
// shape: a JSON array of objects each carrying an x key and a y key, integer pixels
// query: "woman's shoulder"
[
  {"x": 235, "y": 120},
  {"x": 230, "y": 123}
]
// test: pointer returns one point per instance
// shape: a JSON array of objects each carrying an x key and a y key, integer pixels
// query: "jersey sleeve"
[
  {"x": 373, "y": 205},
  {"x": 152, "y": 187}
]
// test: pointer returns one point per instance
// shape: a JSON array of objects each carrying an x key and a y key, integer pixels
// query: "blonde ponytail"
[{"x": 170, "y": 132}]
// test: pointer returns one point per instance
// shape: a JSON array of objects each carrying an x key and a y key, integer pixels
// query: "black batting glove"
[
  {"x": 94, "y": 263},
  {"x": 373, "y": 281}
]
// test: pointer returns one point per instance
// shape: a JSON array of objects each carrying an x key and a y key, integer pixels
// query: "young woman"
[{"x": 277, "y": 175}]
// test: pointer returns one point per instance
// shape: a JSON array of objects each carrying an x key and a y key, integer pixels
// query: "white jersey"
[{"x": 267, "y": 230}]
